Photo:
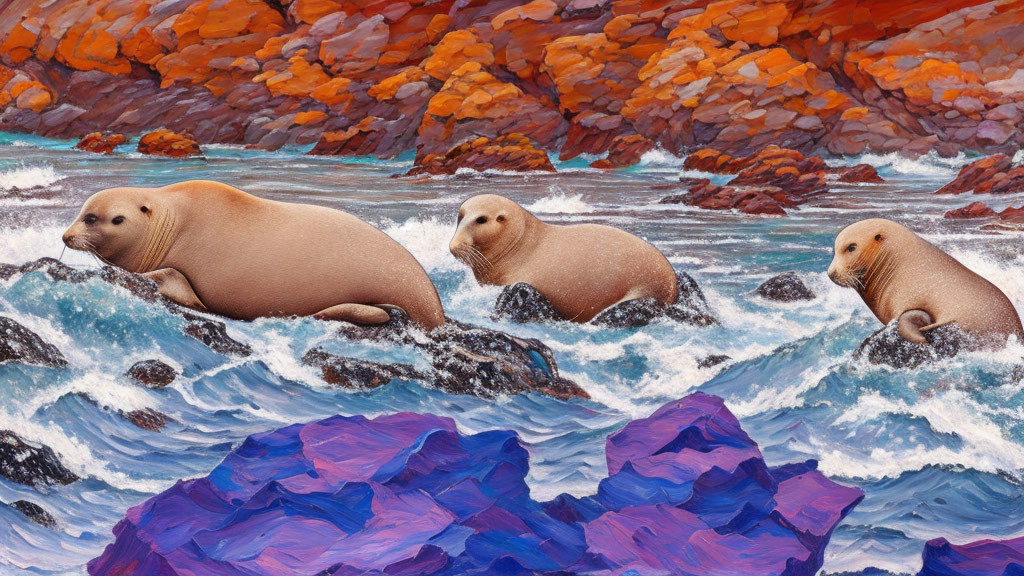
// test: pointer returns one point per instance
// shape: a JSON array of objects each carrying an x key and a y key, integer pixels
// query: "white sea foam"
[
  {"x": 1018, "y": 158},
  {"x": 427, "y": 240},
  {"x": 28, "y": 177},
  {"x": 561, "y": 204},
  {"x": 930, "y": 165},
  {"x": 19, "y": 245},
  {"x": 657, "y": 158}
]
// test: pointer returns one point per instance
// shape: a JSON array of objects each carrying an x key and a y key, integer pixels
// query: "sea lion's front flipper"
[
  {"x": 912, "y": 323},
  {"x": 175, "y": 285},
  {"x": 361, "y": 314}
]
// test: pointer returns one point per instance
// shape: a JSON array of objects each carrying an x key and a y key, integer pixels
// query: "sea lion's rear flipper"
[
  {"x": 361, "y": 314},
  {"x": 912, "y": 324},
  {"x": 175, "y": 285}
]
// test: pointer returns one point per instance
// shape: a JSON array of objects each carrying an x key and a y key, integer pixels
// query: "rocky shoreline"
[{"x": 573, "y": 77}]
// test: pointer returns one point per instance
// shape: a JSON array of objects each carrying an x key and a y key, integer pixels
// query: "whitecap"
[
  {"x": 561, "y": 204},
  {"x": 28, "y": 177},
  {"x": 931, "y": 165}
]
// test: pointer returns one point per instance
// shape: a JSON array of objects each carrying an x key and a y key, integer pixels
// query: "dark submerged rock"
[
  {"x": 29, "y": 464},
  {"x": 712, "y": 360},
  {"x": 152, "y": 374},
  {"x": 887, "y": 347},
  {"x": 356, "y": 374},
  {"x": 147, "y": 419},
  {"x": 522, "y": 303},
  {"x": 214, "y": 334},
  {"x": 473, "y": 360},
  {"x": 786, "y": 287},
  {"x": 483, "y": 362},
  {"x": 19, "y": 344},
  {"x": 35, "y": 513}
]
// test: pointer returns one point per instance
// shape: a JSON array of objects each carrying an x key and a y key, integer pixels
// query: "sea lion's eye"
[
  {"x": 501, "y": 218},
  {"x": 481, "y": 220},
  {"x": 851, "y": 247},
  {"x": 878, "y": 236},
  {"x": 117, "y": 220},
  {"x": 90, "y": 219}
]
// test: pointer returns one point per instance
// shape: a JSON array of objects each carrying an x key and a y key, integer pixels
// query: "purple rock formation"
[
  {"x": 406, "y": 494},
  {"x": 981, "y": 558}
]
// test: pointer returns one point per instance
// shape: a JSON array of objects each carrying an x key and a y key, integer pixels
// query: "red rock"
[
  {"x": 860, "y": 173},
  {"x": 624, "y": 151},
  {"x": 167, "y": 143},
  {"x": 1014, "y": 215},
  {"x": 100, "y": 143},
  {"x": 972, "y": 210},
  {"x": 513, "y": 152},
  {"x": 977, "y": 173},
  {"x": 1010, "y": 182}
]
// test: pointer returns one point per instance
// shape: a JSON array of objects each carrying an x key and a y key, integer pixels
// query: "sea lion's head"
[
  {"x": 862, "y": 254},
  {"x": 489, "y": 229},
  {"x": 125, "y": 227}
]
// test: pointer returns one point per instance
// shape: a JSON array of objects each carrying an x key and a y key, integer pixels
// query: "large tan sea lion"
[
  {"x": 901, "y": 276},
  {"x": 212, "y": 247},
  {"x": 581, "y": 269}
]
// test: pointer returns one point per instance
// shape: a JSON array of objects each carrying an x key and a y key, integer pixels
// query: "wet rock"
[
  {"x": 624, "y": 151},
  {"x": 169, "y": 144},
  {"x": 152, "y": 374},
  {"x": 861, "y": 173},
  {"x": 147, "y": 419},
  {"x": 214, "y": 334},
  {"x": 135, "y": 283},
  {"x": 35, "y": 513},
  {"x": 473, "y": 360},
  {"x": 713, "y": 360},
  {"x": 99, "y": 143},
  {"x": 358, "y": 374},
  {"x": 887, "y": 347},
  {"x": 54, "y": 268},
  {"x": 979, "y": 174},
  {"x": 522, "y": 303},
  {"x": 786, "y": 287},
  {"x": 691, "y": 305},
  {"x": 979, "y": 558},
  {"x": 687, "y": 482},
  {"x": 631, "y": 314},
  {"x": 972, "y": 210},
  {"x": 19, "y": 344},
  {"x": 1012, "y": 215},
  {"x": 513, "y": 153},
  {"x": 31, "y": 464},
  {"x": 766, "y": 183}
]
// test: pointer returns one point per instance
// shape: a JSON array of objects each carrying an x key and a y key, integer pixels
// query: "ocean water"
[{"x": 939, "y": 451}]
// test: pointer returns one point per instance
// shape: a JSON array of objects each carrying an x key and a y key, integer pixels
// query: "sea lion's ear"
[
  {"x": 878, "y": 236},
  {"x": 501, "y": 217},
  {"x": 144, "y": 209}
]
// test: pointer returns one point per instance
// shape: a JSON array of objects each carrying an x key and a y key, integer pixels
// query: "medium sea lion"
[
  {"x": 212, "y": 247},
  {"x": 581, "y": 269},
  {"x": 900, "y": 276}
]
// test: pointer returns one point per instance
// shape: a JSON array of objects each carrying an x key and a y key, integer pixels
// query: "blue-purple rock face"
[
  {"x": 688, "y": 493},
  {"x": 981, "y": 558}
]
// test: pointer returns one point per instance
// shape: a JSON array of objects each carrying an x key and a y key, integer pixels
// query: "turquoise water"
[{"x": 938, "y": 450}]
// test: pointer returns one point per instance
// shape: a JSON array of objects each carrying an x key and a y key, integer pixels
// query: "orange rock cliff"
[{"x": 572, "y": 76}]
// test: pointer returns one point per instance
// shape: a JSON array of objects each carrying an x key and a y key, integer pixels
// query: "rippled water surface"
[{"x": 938, "y": 450}]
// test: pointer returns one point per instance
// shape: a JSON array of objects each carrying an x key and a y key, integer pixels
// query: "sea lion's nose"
[{"x": 67, "y": 238}]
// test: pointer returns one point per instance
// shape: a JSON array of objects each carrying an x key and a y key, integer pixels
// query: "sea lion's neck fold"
[
  {"x": 879, "y": 269},
  {"x": 162, "y": 232}
]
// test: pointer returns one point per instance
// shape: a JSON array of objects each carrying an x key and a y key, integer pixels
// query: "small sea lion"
[
  {"x": 903, "y": 277},
  {"x": 209, "y": 246},
  {"x": 581, "y": 269}
]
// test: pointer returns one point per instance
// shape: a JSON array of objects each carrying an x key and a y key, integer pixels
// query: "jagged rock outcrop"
[
  {"x": 786, "y": 287},
  {"x": 169, "y": 144},
  {"x": 575, "y": 77},
  {"x": 98, "y": 143},
  {"x": 972, "y": 210},
  {"x": 19, "y": 344},
  {"x": 31, "y": 464},
  {"x": 687, "y": 492},
  {"x": 994, "y": 174},
  {"x": 152, "y": 374},
  {"x": 513, "y": 152},
  {"x": 980, "y": 558}
]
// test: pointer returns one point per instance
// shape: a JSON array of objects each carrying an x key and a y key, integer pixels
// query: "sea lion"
[
  {"x": 213, "y": 247},
  {"x": 901, "y": 276},
  {"x": 581, "y": 269}
]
